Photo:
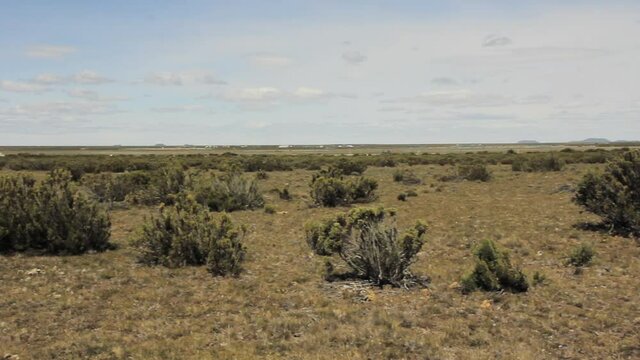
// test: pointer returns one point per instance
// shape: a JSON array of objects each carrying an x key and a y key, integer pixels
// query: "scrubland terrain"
[{"x": 107, "y": 306}]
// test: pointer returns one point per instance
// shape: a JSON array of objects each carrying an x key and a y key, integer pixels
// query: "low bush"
[
  {"x": 477, "y": 172},
  {"x": 350, "y": 167},
  {"x": 330, "y": 188},
  {"x": 538, "y": 164},
  {"x": 109, "y": 187},
  {"x": 493, "y": 271},
  {"x": 229, "y": 192},
  {"x": 53, "y": 217},
  {"x": 582, "y": 255},
  {"x": 284, "y": 194},
  {"x": 406, "y": 177},
  {"x": 615, "y": 194},
  {"x": 188, "y": 234},
  {"x": 372, "y": 249},
  {"x": 402, "y": 197}
]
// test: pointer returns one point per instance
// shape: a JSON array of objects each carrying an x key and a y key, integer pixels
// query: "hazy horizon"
[{"x": 83, "y": 73}]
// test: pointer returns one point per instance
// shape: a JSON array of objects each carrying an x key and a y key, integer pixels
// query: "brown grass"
[{"x": 105, "y": 306}]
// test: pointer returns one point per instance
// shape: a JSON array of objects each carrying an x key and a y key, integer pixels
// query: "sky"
[{"x": 137, "y": 72}]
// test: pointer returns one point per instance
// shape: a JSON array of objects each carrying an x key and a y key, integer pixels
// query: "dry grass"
[{"x": 105, "y": 306}]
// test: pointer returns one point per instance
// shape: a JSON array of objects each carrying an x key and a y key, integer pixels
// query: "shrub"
[
  {"x": 372, "y": 249},
  {"x": 330, "y": 188},
  {"x": 402, "y": 197},
  {"x": 493, "y": 271},
  {"x": 349, "y": 167},
  {"x": 411, "y": 193},
  {"x": 229, "y": 192},
  {"x": 54, "y": 217},
  {"x": 615, "y": 194},
  {"x": 477, "y": 172},
  {"x": 326, "y": 237},
  {"x": 581, "y": 255},
  {"x": 284, "y": 194},
  {"x": 115, "y": 187},
  {"x": 537, "y": 164},
  {"x": 160, "y": 186},
  {"x": 188, "y": 234},
  {"x": 269, "y": 209},
  {"x": 406, "y": 177},
  {"x": 262, "y": 175}
]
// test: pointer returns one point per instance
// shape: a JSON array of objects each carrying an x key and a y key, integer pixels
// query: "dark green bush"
[
  {"x": 582, "y": 255},
  {"x": 229, "y": 192},
  {"x": 188, "y": 234},
  {"x": 54, "y": 217},
  {"x": 615, "y": 194},
  {"x": 493, "y": 271},
  {"x": 330, "y": 188}
]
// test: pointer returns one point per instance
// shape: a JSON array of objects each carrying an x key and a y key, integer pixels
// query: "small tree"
[{"x": 615, "y": 194}]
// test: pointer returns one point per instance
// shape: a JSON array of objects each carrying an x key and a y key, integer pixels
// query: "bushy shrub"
[
  {"x": 406, "y": 177},
  {"x": 109, "y": 187},
  {"x": 158, "y": 186},
  {"x": 402, "y": 197},
  {"x": 284, "y": 194},
  {"x": 326, "y": 237},
  {"x": 615, "y": 194},
  {"x": 54, "y": 217},
  {"x": 330, "y": 188},
  {"x": 350, "y": 167},
  {"x": 262, "y": 175},
  {"x": 582, "y": 255},
  {"x": 411, "y": 193},
  {"x": 476, "y": 172},
  {"x": 537, "y": 164},
  {"x": 188, "y": 234},
  {"x": 229, "y": 192},
  {"x": 372, "y": 249},
  {"x": 493, "y": 271}
]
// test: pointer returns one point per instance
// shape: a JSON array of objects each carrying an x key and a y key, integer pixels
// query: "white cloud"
[
  {"x": 92, "y": 95},
  {"x": 461, "y": 98},
  {"x": 496, "y": 40},
  {"x": 258, "y": 94},
  {"x": 49, "y": 79},
  {"x": 271, "y": 60},
  {"x": 49, "y": 51},
  {"x": 179, "y": 109},
  {"x": 89, "y": 77},
  {"x": 354, "y": 57},
  {"x": 21, "y": 86},
  {"x": 183, "y": 78}
]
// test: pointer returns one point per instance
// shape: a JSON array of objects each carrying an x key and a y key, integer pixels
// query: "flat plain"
[{"x": 107, "y": 306}]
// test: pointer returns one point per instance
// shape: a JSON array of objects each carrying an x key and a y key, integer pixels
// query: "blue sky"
[{"x": 300, "y": 72}]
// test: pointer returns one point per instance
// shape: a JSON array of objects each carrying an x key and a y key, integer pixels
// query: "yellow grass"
[{"x": 105, "y": 306}]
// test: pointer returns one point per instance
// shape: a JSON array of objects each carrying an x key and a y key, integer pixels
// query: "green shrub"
[
  {"x": 54, "y": 217},
  {"x": 284, "y": 194},
  {"x": 493, "y": 271},
  {"x": 262, "y": 175},
  {"x": 477, "y": 172},
  {"x": 411, "y": 193},
  {"x": 188, "y": 234},
  {"x": 402, "y": 197},
  {"x": 582, "y": 255},
  {"x": 615, "y": 194},
  {"x": 330, "y": 188},
  {"x": 350, "y": 167},
  {"x": 372, "y": 249},
  {"x": 269, "y": 209},
  {"x": 537, "y": 164},
  {"x": 229, "y": 192},
  {"x": 109, "y": 187},
  {"x": 326, "y": 237}
]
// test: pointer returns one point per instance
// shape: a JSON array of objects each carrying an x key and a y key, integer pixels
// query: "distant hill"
[
  {"x": 528, "y": 142},
  {"x": 593, "y": 141}
]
